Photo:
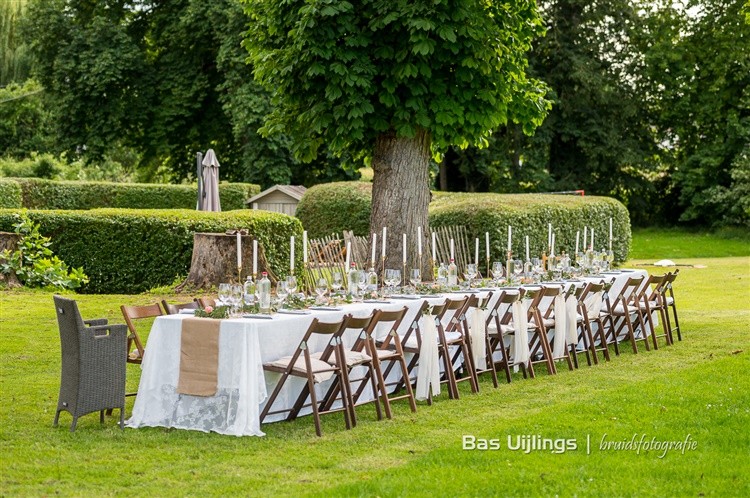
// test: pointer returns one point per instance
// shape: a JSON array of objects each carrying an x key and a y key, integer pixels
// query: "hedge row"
[
  {"x": 335, "y": 207},
  {"x": 38, "y": 193},
  {"x": 11, "y": 195},
  {"x": 132, "y": 250}
]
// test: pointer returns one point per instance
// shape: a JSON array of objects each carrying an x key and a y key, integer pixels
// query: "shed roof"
[{"x": 294, "y": 191}]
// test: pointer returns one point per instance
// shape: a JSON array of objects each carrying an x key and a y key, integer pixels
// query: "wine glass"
[
  {"x": 497, "y": 271},
  {"x": 337, "y": 281},
  {"x": 282, "y": 291},
  {"x": 225, "y": 291},
  {"x": 291, "y": 284},
  {"x": 396, "y": 278},
  {"x": 471, "y": 273},
  {"x": 321, "y": 287},
  {"x": 415, "y": 277},
  {"x": 362, "y": 283}
]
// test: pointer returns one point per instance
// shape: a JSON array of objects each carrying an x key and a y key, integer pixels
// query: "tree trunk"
[
  {"x": 9, "y": 241},
  {"x": 215, "y": 261},
  {"x": 400, "y": 197}
]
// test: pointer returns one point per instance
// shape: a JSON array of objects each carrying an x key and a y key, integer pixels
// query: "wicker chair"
[{"x": 93, "y": 364}]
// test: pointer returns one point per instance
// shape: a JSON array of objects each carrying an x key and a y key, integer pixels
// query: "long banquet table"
[{"x": 244, "y": 345}]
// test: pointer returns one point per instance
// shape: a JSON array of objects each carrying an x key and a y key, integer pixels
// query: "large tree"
[{"x": 395, "y": 81}]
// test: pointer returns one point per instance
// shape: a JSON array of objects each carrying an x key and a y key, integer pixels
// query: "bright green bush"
[
  {"x": 132, "y": 250},
  {"x": 530, "y": 214},
  {"x": 49, "y": 194},
  {"x": 334, "y": 207},
  {"x": 10, "y": 194}
]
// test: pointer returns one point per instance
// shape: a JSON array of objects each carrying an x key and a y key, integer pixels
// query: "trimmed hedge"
[
  {"x": 334, "y": 207},
  {"x": 10, "y": 194},
  {"x": 38, "y": 193},
  {"x": 132, "y": 250}
]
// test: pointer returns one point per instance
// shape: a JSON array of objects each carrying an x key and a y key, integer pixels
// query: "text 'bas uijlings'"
[{"x": 524, "y": 443}]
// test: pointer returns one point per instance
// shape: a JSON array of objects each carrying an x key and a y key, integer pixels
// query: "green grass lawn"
[{"x": 698, "y": 388}]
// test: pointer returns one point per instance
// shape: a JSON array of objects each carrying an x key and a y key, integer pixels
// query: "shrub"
[
  {"x": 530, "y": 214},
  {"x": 49, "y": 194},
  {"x": 10, "y": 194},
  {"x": 130, "y": 250},
  {"x": 332, "y": 208}
]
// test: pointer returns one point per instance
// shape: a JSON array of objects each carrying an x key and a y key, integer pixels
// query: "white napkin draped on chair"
[
  {"x": 520, "y": 345},
  {"x": 478, "y": 344},
  {"x": 561, "y": 322},
  {"x": 428, "y": 375}
]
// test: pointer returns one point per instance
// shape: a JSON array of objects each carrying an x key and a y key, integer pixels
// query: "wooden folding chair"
[
  {"x": 302, "y": 364},
  {"x": 607, "y": 319},
  {"x": 624, "y": 308},
  {"x": 133, "y": 314},
  {"x": 651, "y": 300},
  {"x": 481, "y": 304},
  {"x": 588, "y": 313},
  {"x": 389, "y": 350},
  {"x": 354, "y": 357},
  {"x": 500, "y": 325},
  {"x": 670, "y": 303},
  {"x": 173, "y": 309},
  {"x": 456, "y": 334},
  {"x": 542, "y": 319}
]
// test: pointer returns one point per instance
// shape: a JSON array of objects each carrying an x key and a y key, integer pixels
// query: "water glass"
[
  {"x": 281, "y": 292},
  {"x": 471, "y": 272},
  {"x": 225, "y": 291},
  {"x": 321, "y": 287},
  {"x": 337, "y": 281},
  {"x": 415, "y": 277},
  {"x": 291, "y": 284}
]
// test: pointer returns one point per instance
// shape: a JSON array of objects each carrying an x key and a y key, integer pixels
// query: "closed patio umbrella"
[{"x": 211, "y": 182}]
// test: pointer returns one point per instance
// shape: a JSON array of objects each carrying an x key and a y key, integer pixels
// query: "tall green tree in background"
[
  {"x": 395, "y": 81},
  {"x": 15, "y": 60},
  {"x": 166, "y": 78}
]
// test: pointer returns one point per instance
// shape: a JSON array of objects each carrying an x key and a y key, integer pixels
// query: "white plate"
[
  {"x": 263, "y": 317},
  {"x": 293, "y": 312}
]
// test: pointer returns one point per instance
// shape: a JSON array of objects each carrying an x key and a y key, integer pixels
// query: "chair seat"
[
  {"x": 384, "y": 354},
  {"x": 450, "y": 338},
  {"x": 506, "y": 329},
  {"x": 653, "y": 305},
  {"x": 321, "y": 370},
  {"x": 670, "y": 301},
  {"x": 619, "y": 310},
  {"x": 353, "y": 358}
]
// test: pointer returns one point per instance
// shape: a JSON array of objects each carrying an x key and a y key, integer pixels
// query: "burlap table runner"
[{"x": 199, "y": 357}]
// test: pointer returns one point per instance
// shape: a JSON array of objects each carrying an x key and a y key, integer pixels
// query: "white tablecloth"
[{"x": 244, "y": 345}]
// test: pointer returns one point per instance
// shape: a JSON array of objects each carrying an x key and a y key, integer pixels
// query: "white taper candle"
[
  {"x": 610, "y": 234},
  {"x": 404, "y": 247},
  {"x": 348, "y": 253},
  {"x": 487, "y": 243},
  {"x": 452, "y": 254},
  {"x": 434, "y": 247},
  {"x": 510, "y": 230},
  {"x": 527, "y": 248},
  {"x": 419, "y": 241},
  {"x": 578, "y": 238},
  {"x": 304, "y": 246},
  {"x": 476, "y": 252},
  {"x": 255, "y": 257},
  {"x": 291, "y": 254},
  {"x": 239, "y": 250},
  {"x": 384, "y": 239},
  {"x": 374, "y": 244}
]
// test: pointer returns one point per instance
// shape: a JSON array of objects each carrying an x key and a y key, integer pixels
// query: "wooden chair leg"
[{"x": 316, "y": 415}]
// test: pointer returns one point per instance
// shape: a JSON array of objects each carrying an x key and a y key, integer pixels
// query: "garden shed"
[{"x": 279, "y": 198}]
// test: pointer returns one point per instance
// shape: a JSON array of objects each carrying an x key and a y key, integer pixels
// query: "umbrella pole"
[{"x": 199, "y": 158}]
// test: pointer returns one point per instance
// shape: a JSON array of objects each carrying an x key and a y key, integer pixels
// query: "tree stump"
[
  {"x": 215, "y": 261},
  {"x": 9, "y": 241}
]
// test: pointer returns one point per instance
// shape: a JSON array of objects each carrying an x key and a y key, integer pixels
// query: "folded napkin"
[
  {"x": 199, "y": 357},
  {"x": 428, "y": 375},
  {"x": 478, "y": 344}
]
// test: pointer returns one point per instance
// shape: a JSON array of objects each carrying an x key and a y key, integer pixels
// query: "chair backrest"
[
  {"x": 68, "y": 316},
  {"x": 651, "y": 289},
  {"x": 502, "y": 311},
  {"x": 132, "y": 314},
  {"x": 333, "y": 329},
  {"x": 206, "y": 301},
  {"x": 547, "y": 306},
  {"x": 454, "y": 310},
  {"x": 668, "y": 283},
  {"x": 173, "y": 309},
  {"x": 629, "y": 292}
]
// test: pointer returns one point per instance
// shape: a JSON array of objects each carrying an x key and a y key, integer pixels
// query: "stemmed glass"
[
  {"x": 291, "y": 284},
  {"x": 396, "y": 278},
  {"x": 415, "y": 277},
  {"x": 497, "y": 271},
  {"x": 362, "y": 282},
  {"x": 282, "y": 291},
  {"x": 225, "y": 291},
  {"x": 337, "y": 281},
  {"x": 321, "y": 287},
  {"x": 517, "y": 268},
  {"x": 471, "y": 273}
]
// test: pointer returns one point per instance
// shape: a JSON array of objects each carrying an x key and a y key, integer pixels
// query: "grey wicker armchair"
[{"x": 94, "y": 356}]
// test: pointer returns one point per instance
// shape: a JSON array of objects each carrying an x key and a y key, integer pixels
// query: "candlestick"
[
  {"x": 476, "y": 252},
  {"x": 452, "y": 254},
  {"x": 549, "y": 236},
  {"x": 384, "y": 239},
  {"x": 510, "y": 230},
  {"x": 610, "y": 234},
  {"x": 255, "y": 258},
  {"x": 304, "y": 246},
  {"x": 374, "y": 244},
  {"x": 578, "y": 236},
  {"x": 291, "y": 254},
  {"x": 419, "y": 241},
  {"x": 404, "y": 248},
  {"x": 239, "y": 249},
  {"x": 434, "y": 248},
  {"x": 585, "y": 238},
  {"x": 527, "y": 249}
]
